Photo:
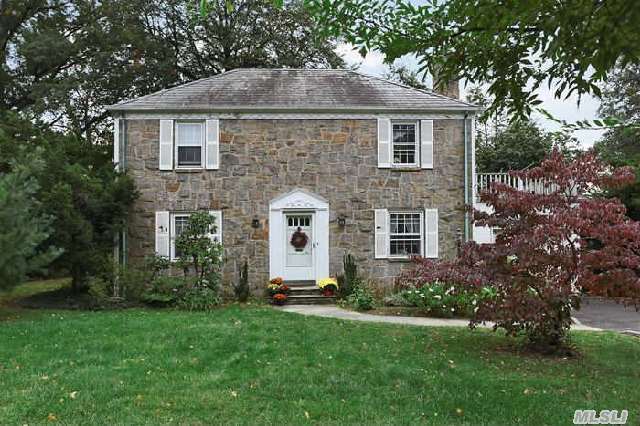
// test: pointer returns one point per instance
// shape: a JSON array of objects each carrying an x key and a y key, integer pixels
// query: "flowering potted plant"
[
  {"x": 276, "y": 286},
  {"x": 328, "y": 286},
  {"x": 279, "y": 299}
]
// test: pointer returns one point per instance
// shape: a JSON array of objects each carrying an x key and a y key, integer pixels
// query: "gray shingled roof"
[{"x": 294, "y": 90}]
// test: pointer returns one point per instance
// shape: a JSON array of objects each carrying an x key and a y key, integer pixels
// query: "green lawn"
[{"x": 256, "y": 365}]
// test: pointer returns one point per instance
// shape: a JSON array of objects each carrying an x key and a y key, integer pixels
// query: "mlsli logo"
[{"x": 605, "y": 417}]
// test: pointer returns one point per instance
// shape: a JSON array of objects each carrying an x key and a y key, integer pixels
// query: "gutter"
[{"x": 235, "y": 109}]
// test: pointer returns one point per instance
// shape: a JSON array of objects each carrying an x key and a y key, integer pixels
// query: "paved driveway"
[{"x": 608, "y": 314}]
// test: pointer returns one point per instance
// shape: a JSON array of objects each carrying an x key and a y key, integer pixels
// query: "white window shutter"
[
  {"x": 384, "y": 143},
  {"x": 431, "y": 233},
  {"x": 166, "y": 145},
  {"x": 213, "y": 145},
  {"x": 162, "y": 233},
  {"x": 381, "y": 233},
  {"x": 217, "y": 235},
  {"x": 116, "y": 143},
  {"x": 426, "y": 144}
]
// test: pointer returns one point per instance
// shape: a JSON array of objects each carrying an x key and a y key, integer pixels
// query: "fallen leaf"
[{"x": 51, "y": 417}]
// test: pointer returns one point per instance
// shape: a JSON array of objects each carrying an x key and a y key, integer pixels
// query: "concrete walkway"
[{"x": 330, "y": 311}]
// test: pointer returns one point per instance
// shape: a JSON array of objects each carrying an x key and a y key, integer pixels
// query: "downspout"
[
  {"x": 466, "y": 180},
  {"x": 125, "y": 233}
]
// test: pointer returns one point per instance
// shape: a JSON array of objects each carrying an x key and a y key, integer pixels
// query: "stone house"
[{"x": 299, "y": 167}]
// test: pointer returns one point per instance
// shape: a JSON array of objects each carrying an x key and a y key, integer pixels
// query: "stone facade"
[{"x": 262, "y": 159}]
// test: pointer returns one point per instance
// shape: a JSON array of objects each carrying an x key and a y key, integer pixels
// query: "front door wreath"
[{"x": 299, "y": 239}]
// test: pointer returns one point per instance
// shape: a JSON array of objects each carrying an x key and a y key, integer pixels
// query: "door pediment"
[{"x": 299, "y": 199}]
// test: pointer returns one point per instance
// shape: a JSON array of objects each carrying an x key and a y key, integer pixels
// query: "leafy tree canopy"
[
  {"x": 62, "y": 61},
  {"x": 504, "y": 144},
  {"x": 515, "y": 46},
  {"x": 404, "y": 75},
  {"x": 620, "y": 146},
  {"x": 520, "y": 145}
]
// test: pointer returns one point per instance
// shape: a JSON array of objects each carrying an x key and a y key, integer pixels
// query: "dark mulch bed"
[{"x": 65, "y": 298}]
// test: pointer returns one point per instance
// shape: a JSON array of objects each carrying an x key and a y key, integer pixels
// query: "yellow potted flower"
[{"x": 328, "y": 286}]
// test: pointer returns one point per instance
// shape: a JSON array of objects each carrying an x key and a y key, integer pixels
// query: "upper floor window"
[
  {"x": 189, "y": 144},
  {"x": 404, "y": 144}
]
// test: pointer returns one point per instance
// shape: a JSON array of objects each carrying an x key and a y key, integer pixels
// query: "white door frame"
[{"x": 298, "y": 201}]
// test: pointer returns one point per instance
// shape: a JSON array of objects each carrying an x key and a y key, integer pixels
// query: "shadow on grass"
[{"x": 11, "y": 302}]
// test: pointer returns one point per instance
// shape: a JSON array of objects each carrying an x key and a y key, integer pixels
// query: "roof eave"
[{"x": 284, "y": 110}]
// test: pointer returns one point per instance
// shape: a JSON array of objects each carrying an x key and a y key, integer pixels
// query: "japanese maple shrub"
[{"x": 551, "y": 245}]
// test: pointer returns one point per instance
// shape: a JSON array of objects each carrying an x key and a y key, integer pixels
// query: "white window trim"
[
  {"x": 422, "y": 233},
  {"x": 416, "y": 143},
  {"x": 202, "y": 145},
  {"x": 172, "y": 233}
]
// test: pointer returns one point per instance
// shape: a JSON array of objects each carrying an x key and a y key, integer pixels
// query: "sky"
[{"x": 568, "y": 110}]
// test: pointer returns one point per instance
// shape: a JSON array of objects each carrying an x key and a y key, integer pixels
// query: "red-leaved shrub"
[{"x": 550, "y": 246}]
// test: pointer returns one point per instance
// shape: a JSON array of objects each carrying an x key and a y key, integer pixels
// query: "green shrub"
[
  {"x": 128, "y": 283},
  {"x": 361, "y": 297},
  {"x": 164, "y": 290},
  {"x": 350, "y": 278},
  {"x": 241, "y": 288},
  {"x": 198, "y": 298},
  {"x": 440, "y": 300},
  {"x": 100, "y": 289},
  {"x": 156, "y": 265},
  {"x": 132, "y": 283},
  {"x": 182, "y": 292}
]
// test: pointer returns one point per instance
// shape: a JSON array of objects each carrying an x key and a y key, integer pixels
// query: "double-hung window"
[
  {"x": 189, "y": 144},
  {"x": 179, "y": 223},
  {"x": 406, "y": 233},
  {"x": 404, "y": 147}
]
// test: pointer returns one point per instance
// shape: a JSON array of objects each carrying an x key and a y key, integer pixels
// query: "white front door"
[
  {"x": 299, "y": 246},
  {"x": 309, "y": 212}
]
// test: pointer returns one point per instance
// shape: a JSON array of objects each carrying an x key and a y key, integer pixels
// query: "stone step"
[
  {"x": 310, "y": 300},
  {"x": 305, "y": 290},
  {"x": 305, "y": 283}
]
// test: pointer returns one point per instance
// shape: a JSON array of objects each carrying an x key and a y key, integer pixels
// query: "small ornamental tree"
[
  {"x": 550, "y": 246},
  {"x": 199, "y": 253}
]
